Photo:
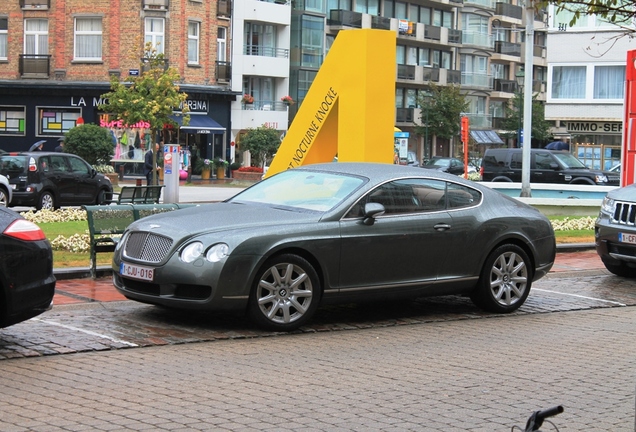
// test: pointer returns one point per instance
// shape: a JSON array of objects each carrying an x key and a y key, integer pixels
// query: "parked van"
[{"x": 546, "y": 166}]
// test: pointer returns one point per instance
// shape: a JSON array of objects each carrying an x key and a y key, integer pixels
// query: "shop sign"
[{"x": 595, "y": 127}]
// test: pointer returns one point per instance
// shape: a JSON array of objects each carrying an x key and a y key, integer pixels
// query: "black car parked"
[
  {"x": 546, "y": 166},
  {"x": 27, "y": 283},
  {"x": 445, "y": 164},
  {"x": 49, "y": 180}
]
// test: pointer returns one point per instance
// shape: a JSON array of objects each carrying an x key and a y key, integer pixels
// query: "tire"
[
  {"x": 622, "y": 270},
  {"x": 46, "y": 201},
  {"x": 101, "y": 197},
  {"x": 505, "y": 280},
  {"x": 4, "y": 197},
  {"x": 285, "y": 294}
]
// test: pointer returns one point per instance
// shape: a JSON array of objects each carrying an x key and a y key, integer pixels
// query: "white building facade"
[{"x": 586, "y": 84}]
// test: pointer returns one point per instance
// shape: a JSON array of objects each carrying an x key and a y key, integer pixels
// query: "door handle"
[{"x": 441, "y": 227}]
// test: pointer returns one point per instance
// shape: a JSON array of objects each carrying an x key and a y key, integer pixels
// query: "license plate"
[
  {"x": 136, "y": 272},
  {"x": 627, "y": 238}
]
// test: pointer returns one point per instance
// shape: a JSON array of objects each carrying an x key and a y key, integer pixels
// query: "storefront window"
[
  {"x": 130, "y": 142},
  {"x": 57, "y": 121},
  {"x": 12, "y": 120}
]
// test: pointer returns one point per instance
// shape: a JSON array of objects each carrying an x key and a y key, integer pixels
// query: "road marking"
[
  {"x": 92, "y": 333},
  {"x": 580, "y": 296}
]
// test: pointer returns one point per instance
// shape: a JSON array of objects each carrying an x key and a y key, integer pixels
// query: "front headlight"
[
  {"x": 191, "y": 252},
  {"x": 608, "y": 206},
  {"x": 601, "y": 178},
  {"x": 217, "y": 252}
]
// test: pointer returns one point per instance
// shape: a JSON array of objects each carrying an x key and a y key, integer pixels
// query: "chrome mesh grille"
[
  {"x": 147, "y": 246},
  {"x": 625, "y": 214}
]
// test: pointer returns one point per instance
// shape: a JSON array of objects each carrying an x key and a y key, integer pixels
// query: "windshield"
[
  {"x": 301, "y": 189},
  {"x": 569, "y": 161},
  {"x": 438, "y": 162}
]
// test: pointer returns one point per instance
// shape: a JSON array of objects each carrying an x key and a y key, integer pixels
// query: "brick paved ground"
[{"x": 456, "y": 375}]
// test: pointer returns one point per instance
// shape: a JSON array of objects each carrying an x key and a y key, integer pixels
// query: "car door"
[
  {"x": 545, "y": 168},
  {"x": 87, "y": 184},
  {"x": 404, "y": 248},
  {"x": 59, "y": 176}
]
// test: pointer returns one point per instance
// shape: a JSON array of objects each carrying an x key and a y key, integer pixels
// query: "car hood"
[
  {"x": 627, "y": 193},
  {"x": 221, "y": 216}
]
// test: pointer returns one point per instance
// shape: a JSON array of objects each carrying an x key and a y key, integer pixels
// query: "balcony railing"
[
  {"x": 224, "y": 8},
  {"x": 453, "y": 76},
  {"x": 508, "y": 48},
  {"x": 477, "y": 39},
  {"x": 432, "y": 32},
  {"x": 223, "y": 71},
  {"x": 506, "y": 86},
  {"x": 406, "y": 72},
  {"x": 506, "y": 9},
  {"x": 35, "y": 65},
  {"x": 430, "y": 74},
  {"x": 454, "y": 36},
  {"x": 480, "y": 80},
  {"x": 264, "y": 105},
  {"x": 35, "y": 4},
  {"x": 340, "y": 17},
  {"x": 381, "y": 23},
  {"x": 490, "y": 4},
  {"x": 263, "y": 51},
  {"x": 407, "y": 28},
  {"x": 162, "y": 5}
]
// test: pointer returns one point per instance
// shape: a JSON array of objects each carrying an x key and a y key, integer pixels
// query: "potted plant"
[
  {"x": 287, "y": 100},
  {"x": 220, "y": 165},
  {"x": 206, "y": 166},
  {"x": 247, "y": 99}
]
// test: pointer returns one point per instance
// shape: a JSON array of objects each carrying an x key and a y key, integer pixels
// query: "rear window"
[{"x": 12, "y": 166}]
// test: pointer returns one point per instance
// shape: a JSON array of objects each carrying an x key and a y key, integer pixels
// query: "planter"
[
  {"x": 247, "y": 176},
  {"x": 220, "y": 173},
  {"x": 114, "y": 178},
  {"x": 205, "y": 174}
]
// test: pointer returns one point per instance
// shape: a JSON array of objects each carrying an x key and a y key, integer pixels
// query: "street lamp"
[
  {"x": 426, "y": 97},
  {"x": 520, "y": 77}
]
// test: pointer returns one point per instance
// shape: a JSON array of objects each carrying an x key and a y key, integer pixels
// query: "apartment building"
[
  {"x": 260, "y": 67},
  {"x": 477, "y": 44},
  {"x": 57, "y": 56},
  {"x": 586, "y": 84}
]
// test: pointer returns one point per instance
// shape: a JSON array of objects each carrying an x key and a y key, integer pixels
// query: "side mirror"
[
  {"x": 555, "y": 166},
  {"x": 371, "y": 210}
]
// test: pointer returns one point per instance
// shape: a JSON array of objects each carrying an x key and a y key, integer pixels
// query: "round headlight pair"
[{"x": 194, "y": 250}]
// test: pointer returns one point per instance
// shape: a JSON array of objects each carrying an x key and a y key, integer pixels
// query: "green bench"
[
  {"x": 136, "y": 195},
  {"x": 106, "y": 224}
]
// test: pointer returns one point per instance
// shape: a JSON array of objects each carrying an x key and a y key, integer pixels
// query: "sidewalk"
[{"x": 80, "y": 288}]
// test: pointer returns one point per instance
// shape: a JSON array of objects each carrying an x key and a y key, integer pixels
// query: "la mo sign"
[{"x": 349, "y": 109}]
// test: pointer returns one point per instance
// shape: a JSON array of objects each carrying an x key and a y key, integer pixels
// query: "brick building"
[{"x": 57, "y": 56}]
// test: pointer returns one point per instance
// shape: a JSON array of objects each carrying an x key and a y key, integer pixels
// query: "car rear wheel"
[
  {"x": 46, "y": 201},
  {"x": 505, "y": 280},
  {"x": 285, "y": 294},
  {"x": 4, "y": 197},
  {"x": 622, "y": 270}
]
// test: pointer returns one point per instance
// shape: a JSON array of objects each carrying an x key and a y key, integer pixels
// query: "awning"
[
  {"x": 199, "y": 122},
  {"x": 485, "y": 137}
]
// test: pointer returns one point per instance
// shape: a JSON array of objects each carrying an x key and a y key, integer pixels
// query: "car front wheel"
[
  {"x": 4, "y": 197},
  {"x": 505, "y": 280},
  {"x": 46, "y": 201},
  {"x": 285, "y": 294}
]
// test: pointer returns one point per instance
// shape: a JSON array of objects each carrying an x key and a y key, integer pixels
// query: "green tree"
[
  {"x": 90, "y": 142},
  {"x": 441, "y": 111},
  {"x": 262, "y": 143},
  {"x": 513, "y": 119},
  {"x": 150, "y": 97}
]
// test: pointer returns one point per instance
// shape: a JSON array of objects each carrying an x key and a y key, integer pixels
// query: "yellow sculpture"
[{"x": 349, "y": 110}]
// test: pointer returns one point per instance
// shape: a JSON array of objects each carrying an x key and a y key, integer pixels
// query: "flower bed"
[{"x": 247, "y": 175}]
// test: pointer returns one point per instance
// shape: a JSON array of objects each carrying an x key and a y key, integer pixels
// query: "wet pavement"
[{"x": 90, "y": 315}]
